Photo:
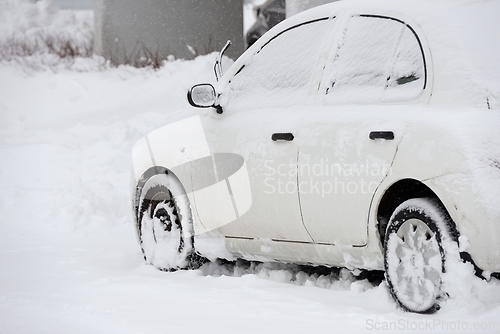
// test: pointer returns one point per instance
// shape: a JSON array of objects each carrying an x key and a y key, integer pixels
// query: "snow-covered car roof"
[{"x": 460, "y": 39}]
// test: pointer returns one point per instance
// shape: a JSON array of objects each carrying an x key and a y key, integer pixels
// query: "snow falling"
[{"x": 69, "y": 258}]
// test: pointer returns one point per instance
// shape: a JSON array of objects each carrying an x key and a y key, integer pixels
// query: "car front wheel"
[{"x": 165, "y": 227}]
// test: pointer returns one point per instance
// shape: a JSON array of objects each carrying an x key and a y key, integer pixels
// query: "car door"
[
  {"x": 276, "y": 80},
  {"x": 346, "y": 149}
]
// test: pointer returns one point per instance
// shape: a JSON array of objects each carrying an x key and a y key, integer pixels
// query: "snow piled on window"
[
  {"x": 280, "y": 73},
  {"x": 377, "y": 60}
]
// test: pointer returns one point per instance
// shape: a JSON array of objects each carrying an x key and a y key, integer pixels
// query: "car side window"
[
  {"x": 378, "y": 59},
  {"x": 280, "y": 73}
]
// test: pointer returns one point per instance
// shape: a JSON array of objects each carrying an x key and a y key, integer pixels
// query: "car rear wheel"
[
  {"x": 165, "y": 225},
  {"x": 413, "y": 254}
]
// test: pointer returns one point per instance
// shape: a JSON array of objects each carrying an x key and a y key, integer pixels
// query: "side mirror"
[{"x": 203, "y": 96}]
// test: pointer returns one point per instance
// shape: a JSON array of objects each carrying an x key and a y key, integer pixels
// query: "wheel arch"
[
  {"x": 399, "y": 192},
  {"x": 409, "y": 188},
  {"x": 141, "y": 182}
]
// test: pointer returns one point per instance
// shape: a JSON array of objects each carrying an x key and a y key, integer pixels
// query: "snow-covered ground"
[{"x": 69, "y": 260}]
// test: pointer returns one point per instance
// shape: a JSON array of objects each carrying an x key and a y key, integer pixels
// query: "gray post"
[{"x": 137, "y": 32}]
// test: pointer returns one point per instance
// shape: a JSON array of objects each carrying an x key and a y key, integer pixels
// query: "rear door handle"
[
  {"x": 282, "y": 136},
  {"x": 388, "y": 135}
]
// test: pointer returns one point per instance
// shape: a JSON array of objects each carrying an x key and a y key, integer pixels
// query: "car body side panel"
[
  {"x": 440, "y": 158},
  {"x": 481, "y": 228},
  {"x": 340, "y": 168},
  {"x": 272, "y": 214},
  {"x": 306, "y": 253}
]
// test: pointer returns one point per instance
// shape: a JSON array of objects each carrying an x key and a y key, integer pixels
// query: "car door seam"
[{"x": 298, "y": 197}]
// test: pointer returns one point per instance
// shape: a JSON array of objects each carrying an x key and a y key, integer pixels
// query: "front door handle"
[
  {"x": 282, "y": 136},
  {"x": 388, "y": 135}
]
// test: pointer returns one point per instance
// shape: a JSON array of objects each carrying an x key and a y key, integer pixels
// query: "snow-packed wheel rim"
[
  {"x": 164, "y": 223},
  {"x": 415, "y": 265},
  {"x": 161, "y": 233},
  {"x": 414, "y": 256}
]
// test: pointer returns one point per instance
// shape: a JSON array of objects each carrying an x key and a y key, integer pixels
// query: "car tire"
[
  {"x": 165, "y": 225},
  {"x": 414, "y": 256}
]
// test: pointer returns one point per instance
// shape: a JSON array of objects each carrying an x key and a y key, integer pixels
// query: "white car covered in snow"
[{"x": 360, "y": 134}]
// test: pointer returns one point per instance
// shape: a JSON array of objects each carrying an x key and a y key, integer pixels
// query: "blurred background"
[{"x": 150, "y": 31}]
